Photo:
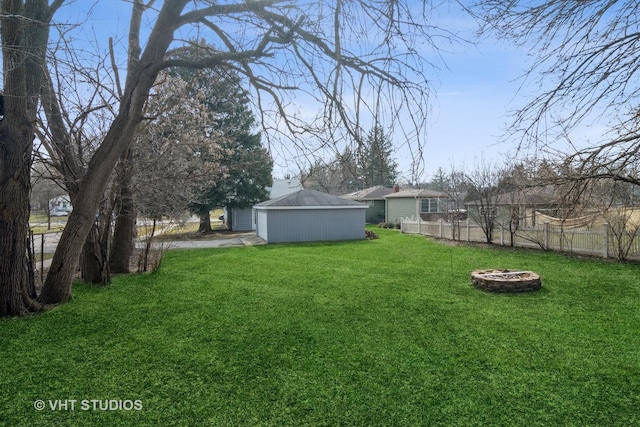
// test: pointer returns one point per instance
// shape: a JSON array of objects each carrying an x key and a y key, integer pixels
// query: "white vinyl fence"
[{"x": 601, "y": 241}]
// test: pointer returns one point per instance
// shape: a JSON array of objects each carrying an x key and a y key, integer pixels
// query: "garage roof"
[{"x": 310, "y": 198}]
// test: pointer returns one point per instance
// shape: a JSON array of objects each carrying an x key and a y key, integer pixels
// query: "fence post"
[
  {"x": 42, "y": 257},
  {"x": 546, "y": 236},
  {"x": 440, "y": 228},
  {"x": 502, "y": 233},
  {"x": 605, "y": 252},
  {"x": 468, "y": 231},
  {"x": 419, "y": 224}
]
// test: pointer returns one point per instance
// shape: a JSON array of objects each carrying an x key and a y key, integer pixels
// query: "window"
[
  {"x": 493, "y": 212},
  {"x": 432, "y": 205}
]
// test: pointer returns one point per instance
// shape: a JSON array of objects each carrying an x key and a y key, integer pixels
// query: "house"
[
  {"x": 428, "y": 205},
  {"x": 243, "y": 219},
  {"x": 60, "y": 206},
  {"x": 524, "y": 204},
  {"x": 373, "y": 197},
  {"x": 282, "y": 187},
  {"x": 309, "y": 215}
]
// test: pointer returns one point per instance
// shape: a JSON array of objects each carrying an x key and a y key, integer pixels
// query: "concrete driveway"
[{"x": 216, "y": 240}]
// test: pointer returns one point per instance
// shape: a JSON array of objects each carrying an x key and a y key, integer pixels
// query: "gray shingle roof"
[
  {"x": 416, "y": 193},
  {"x": 309, "y": 198},
  {"x": 372, "y": 193}
]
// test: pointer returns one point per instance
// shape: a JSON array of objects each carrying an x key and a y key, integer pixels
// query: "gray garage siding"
[
  {"x": 304, "y": 225},
  {"x": 242, "y": 219}
]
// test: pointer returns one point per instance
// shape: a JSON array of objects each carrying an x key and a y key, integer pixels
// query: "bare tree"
[
  {"x": 355, "y": 60},
  {"x": 456, "y": 186},
  {"x": 615, "y": 201},
  {"x": 485, "y": 189},
  {"x": 546, "y": 193},
  {"x": 586, "y": 69},
  {"x": 338, "y": 176},
  {"x": 73, "y": 122},
  {"x": 177, "y": 151}
]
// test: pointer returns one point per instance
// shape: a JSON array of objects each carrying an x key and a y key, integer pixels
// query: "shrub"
[{"x": 387, "y": 225}]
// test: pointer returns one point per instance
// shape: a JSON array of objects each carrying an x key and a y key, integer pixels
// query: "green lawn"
[{"x": 386, "y": 332}]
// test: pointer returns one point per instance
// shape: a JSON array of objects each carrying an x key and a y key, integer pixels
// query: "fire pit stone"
[{"x": 505, "y": 280}]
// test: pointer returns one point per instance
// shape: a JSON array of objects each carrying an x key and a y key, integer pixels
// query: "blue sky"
[
  {"x": 475, "y": 100},
  {"x": 470, "y": 106}
]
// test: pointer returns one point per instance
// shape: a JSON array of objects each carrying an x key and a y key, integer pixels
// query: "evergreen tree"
[
  {"x": 439, "y": 182},
  {"x": 376, "y": 164},
  {"x": 246, "y": 165},
  {"x": 352, "y": 170}
]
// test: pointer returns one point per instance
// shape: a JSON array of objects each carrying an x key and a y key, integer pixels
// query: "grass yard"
[
  {"x": 43, "y": 229},
  {"x": 386, "y": 332}
]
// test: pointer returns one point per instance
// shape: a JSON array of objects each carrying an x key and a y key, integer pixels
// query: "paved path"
[
  {"x": 216, "y": 241},
  {"x": 46, "y": 241}
]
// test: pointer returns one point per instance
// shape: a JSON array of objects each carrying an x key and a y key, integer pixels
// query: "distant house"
[
  {"x": 309, "y": 215},
  {"x": 60, "y": 206},
  {"x": 373, "y": 197},
  {"x": 282, "y": 187},
  {"x": 243, "y": 219},
  {"x": 428, "y": 205},
  {"x": 526, "y": 205}
]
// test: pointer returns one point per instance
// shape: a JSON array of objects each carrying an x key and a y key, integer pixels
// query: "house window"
[
  {"x": 432, "y": 205},
  {"x": 489, "y": 211}
]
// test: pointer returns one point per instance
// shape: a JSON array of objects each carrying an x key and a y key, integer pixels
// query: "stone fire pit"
[{"x": 505, "y": 280}]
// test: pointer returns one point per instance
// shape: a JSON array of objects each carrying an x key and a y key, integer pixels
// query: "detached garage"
[{"x": 309, "y": 215}]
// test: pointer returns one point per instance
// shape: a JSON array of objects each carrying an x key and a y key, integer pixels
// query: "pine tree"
[{"x": 376, "y": 163}]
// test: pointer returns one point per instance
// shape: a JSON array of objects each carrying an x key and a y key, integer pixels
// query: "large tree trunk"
[
  {"x": 14, "y": 227},
  {"x": 205, "y": 223},
  {"x": 124, "y": 232},
  {"x": 124, "y": 235},
  {"x": 94, "y": 264},
  {"x": 141, "y": 76},
  {"x": 57, "y": 286},
  {"x": 147, "y": 249},
  {"x": 24, "y": 39},
  {"x": 94, "y": 260}
]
